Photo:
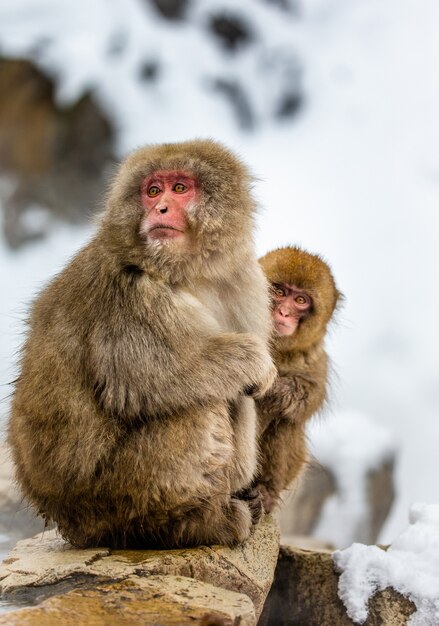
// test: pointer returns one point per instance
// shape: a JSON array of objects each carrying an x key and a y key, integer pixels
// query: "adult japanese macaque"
[
  {"x": 304, "y": 297},
  {"x": 132, "y": 421}
]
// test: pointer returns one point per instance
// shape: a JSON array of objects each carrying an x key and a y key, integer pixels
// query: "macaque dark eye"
[
  {"x": 278, "y": 291},
  {"x": 153, "y": 191},
  {"x": 180, "y": 188}
]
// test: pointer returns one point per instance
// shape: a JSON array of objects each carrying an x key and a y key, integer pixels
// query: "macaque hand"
[
  {"x": 262, "y": 370},
  {"x": 244, "y": 360},
  {"x": 283, "y": 398}
]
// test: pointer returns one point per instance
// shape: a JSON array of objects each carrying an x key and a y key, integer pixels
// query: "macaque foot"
[
  {"x": 268, "y": 497},
  {"x": 252, "y": 496}
]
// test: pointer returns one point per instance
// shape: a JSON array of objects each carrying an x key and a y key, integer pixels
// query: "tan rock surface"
[
  {"x": 304, "y": 593},
  {"x": 46, "y": 561},
  {"x": 305, "y": 542},
  {"x": 164, "y": 600}
]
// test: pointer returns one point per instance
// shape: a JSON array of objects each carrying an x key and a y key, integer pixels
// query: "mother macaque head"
[
  {"x": 167, "y": 196},
  {"x": 181, "y": 210}
]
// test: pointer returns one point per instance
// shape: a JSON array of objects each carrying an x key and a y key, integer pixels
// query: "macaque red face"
[
  {"x": 166, "y": 196},
  {"x": 290, "y": 305}
]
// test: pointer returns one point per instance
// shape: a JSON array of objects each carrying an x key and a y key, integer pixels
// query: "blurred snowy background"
[{"x": 334, "y": 104}]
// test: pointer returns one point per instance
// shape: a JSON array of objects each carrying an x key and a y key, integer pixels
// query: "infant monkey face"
[
  {"x": 166, "y": 196},
  {"x": 290, "y": 305}
]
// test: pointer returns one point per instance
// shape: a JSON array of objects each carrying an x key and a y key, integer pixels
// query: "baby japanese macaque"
[{"x": 304, "y": 296}]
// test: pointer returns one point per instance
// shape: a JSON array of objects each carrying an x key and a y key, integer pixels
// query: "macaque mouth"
[
  {"x": 286, "y": 327},
  {"x": 164, "y": 232},
  {"x": 286, "y": 324},
  {"x": 164, "y": 227}
]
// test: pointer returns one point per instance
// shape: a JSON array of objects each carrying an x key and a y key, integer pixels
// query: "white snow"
[
  {"x": 350, "y": 445},
  {"x": 355, "y": 176},
  {"x": 4, "y": 544},
  {"x": 21, "y": 276},
  {"x": 410, "y": 566},
  {"x": 103, "y": 45}
]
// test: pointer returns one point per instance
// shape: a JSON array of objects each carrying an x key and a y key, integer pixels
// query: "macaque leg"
[
  {"x": 244, "y": 422},
  {"x": 243, "y": 417},
  {"x": 220, "y": 520},
  {"x": 283, "y": 454},
  {"x": 193, "y": 505},
  {"x": 225, "y": 522}
]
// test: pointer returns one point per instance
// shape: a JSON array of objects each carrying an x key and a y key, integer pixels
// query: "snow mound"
[{"x": 410, "y": 566}]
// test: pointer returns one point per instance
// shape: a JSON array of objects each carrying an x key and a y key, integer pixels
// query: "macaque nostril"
[{"x": 163, "y": 209}]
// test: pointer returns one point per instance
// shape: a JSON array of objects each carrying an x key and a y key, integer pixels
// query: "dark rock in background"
[
  {"x": 304, "y": 593},
  {"x": 171, "y": 9},
  {"x": 234, "y": 93},
  {"x": 286, "y": 5},
  {"x": 303, "y": 508},
  {"x": 380, "y": 494},
  {"x": 230, "y": 30},
  {"x": 301, "y": 511},
  {"x": 52, "y": 159}
]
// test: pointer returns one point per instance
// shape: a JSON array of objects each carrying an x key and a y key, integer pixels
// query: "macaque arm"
[
  {"x": 282, "y": 414},
  {"x": 295, "y": 397},
  {"x": 155, "y": 359}
]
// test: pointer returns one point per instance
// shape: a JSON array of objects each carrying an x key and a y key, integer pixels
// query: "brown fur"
[
  {"x": 129, "y": 424},
  {"x": 302, "y": 364}
]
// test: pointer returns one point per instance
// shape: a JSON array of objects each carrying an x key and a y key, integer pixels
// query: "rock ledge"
[{"x": 122, "y": 586}]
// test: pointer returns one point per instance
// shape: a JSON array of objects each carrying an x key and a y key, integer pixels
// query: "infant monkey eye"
[
  {"x": 301, "y": 300},
  {"x": 153, "y": 191},
  {"x": 180, "y": 188},
  {"x": 278, "y": 291}
]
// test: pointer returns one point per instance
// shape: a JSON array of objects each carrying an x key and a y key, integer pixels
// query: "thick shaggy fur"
[
  {"x": 302, "y": 364},
  {"x": 129, "y": 423}
]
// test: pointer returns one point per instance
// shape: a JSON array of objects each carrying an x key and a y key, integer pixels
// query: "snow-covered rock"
[{"x": 410, "y": 566}]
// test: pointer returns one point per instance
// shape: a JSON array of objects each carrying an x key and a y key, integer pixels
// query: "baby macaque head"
[
  {"x": 303, "y": 295},
  {"x": 290, "y": 305}
]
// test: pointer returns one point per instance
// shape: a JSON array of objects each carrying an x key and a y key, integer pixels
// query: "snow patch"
[
  {"x": 410, "y": 566},
  {"x": 22, "y": 275},
  {"x": 157, "y": 80}
]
